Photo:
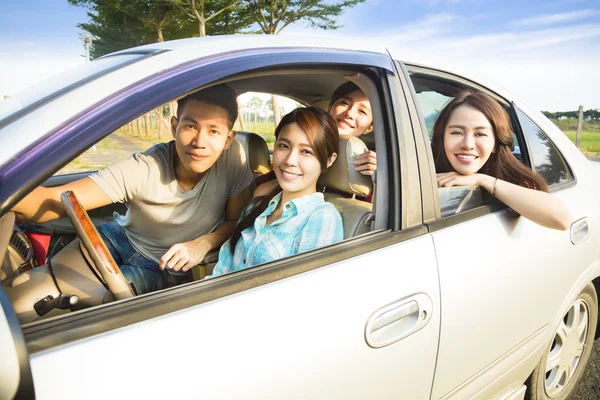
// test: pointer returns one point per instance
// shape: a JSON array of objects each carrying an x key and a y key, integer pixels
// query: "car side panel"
[
  {"x": 502, "y": 279},
  {"x": 301, "y": 337}
]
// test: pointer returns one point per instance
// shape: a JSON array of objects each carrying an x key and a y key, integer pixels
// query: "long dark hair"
[
  {"x": 502, "y": 163},
  {"x": 322, "y": 134}
]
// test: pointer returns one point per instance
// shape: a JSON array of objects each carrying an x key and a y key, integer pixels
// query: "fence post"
[{"x": 579, "y": 127}]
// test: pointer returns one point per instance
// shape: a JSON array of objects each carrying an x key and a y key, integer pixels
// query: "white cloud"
[
  {"x": 429, "y": 27},
  {"x": 552, "y": 19},
  {"x": 552, "y": 37},
  {"x": 550, "y": 69}
]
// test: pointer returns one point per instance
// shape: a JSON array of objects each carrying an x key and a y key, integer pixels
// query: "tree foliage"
[
  {"x": 273, "y": 16},
  {"x": 228, "y": 16},
  {"x": 121, "y": 24},
  {"x": 589, "y": 115}
]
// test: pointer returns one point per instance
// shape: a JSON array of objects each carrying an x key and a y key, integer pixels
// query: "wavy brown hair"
[
  {"x": 502, "y": 163},
  {"x": 322, "y": 134}
]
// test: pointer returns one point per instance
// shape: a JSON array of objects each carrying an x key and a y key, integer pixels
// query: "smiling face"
[
  {"x": 352, "y": 113},
  {"x": 201, "y": 134},
  {"x": 296, "y": 166},
  {"x": 468, "y": 140}
]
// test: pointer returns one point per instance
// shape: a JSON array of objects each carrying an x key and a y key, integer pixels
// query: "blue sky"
[{"x": 546, "y": 52}]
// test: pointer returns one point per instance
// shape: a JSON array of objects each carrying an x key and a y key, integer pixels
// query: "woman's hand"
[
  {"x": 448, "y": 179},
  {"x": 539, "y": 207},
  {"x": 366, "y": 163}
]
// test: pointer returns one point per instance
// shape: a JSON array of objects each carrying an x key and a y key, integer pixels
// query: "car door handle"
[
  {"x": 398, "y": 320},
  {"x": 580, "y": 231}
]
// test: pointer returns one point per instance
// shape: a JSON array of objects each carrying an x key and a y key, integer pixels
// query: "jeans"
[{"x": 144, "y": 273}]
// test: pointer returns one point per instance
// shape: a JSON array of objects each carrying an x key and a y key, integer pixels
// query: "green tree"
[
  {"x": 120, "y": 24},
  {"x": 592, "y": 114},
  {"x": 228, "y": 16},
  {"x": 272, "y": 16},
  {"x": 255, "y": 105}
]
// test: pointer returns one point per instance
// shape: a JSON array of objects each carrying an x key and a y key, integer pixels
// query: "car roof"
[
  {"x": 165, "y": 55},
  {"x": 212, "y": 45},
  {"x": 25, "y": 117}
]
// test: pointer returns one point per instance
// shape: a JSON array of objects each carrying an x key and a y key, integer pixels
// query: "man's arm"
[
  {"x": 183, "y": 256},
  {"x": 43, "y": 204}
]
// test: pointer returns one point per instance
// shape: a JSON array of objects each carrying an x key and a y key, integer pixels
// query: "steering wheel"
[{"x": 101, "y": 257}]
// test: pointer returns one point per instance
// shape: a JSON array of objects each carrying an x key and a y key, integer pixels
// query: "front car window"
[{"x": 135, "y": 136}]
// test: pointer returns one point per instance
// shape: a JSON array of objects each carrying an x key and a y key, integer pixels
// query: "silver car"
[{"x": 432, "y": 294}]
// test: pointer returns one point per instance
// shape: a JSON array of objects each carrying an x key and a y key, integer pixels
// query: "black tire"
[{"x": 564, "y": 384}]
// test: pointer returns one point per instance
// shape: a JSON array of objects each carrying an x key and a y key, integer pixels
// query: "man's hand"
[
  {"x": 183, "y": 256},
  {"x": 366, "y": 163}
]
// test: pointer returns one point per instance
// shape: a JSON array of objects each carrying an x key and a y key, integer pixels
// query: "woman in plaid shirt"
[{"x": 293, "y": 217}]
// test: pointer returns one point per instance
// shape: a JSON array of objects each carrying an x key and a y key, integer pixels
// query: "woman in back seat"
[{"x": 350, "y": 108}]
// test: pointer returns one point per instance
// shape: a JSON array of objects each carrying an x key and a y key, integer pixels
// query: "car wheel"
[{"x": 561, "y": 368}]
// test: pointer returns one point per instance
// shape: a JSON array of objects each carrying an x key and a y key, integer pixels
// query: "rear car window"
[{"x": 547, "y": 160}]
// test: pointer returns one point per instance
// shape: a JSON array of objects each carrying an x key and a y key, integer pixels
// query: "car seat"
[
  {"x": 343, "y": 183},
  {"x": 256, "y": 150}
]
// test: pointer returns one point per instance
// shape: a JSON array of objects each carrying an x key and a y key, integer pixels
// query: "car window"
[
  {"x": 257, "y": 114},
  {"x": 457, "y": 199},
  {"x": 136, "y": 136},
  {"x": 432, "y": 93},
  {"x": 432, "y": 103},
  {"x": 546, "y": 158}
]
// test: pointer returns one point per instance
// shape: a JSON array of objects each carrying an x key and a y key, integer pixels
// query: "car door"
[
  {"x": 504, "y": 279},
  {"x": 353, "y": 320}
]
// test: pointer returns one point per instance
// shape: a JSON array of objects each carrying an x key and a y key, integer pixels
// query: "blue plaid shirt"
[{"x": 305, "y": 224}]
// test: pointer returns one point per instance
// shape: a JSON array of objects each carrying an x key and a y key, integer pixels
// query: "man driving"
[{"x": 183, "y": 197}]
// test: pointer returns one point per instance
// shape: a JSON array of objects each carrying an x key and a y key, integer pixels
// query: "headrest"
[
  {"x": 341, "y": 175},
  {"x": 256, "y": 150}
]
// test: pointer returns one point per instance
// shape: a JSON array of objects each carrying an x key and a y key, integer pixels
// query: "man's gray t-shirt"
[{"x": 159, "y": 213}]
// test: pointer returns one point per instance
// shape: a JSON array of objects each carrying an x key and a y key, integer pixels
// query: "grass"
[{"x": 590, "y": 141}]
